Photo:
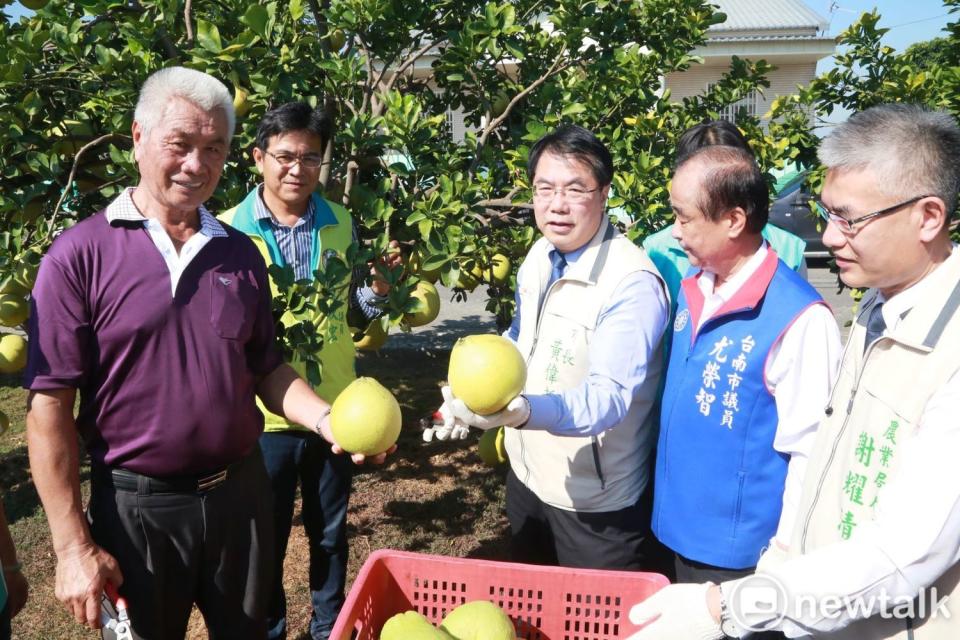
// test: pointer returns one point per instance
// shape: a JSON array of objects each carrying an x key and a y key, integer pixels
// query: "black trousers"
[
  {"x": 543, "y": 534},
  {"x": 697, "y": 572},
  {"x": 212, "y": 548}
]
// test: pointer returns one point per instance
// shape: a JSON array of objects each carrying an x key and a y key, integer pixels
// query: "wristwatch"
[{"x": 728, "y": 626}]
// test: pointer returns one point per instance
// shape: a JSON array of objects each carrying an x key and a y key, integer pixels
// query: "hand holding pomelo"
[
  {"x": 486, "y": 372},
  {"x": 365, "y": 418}
]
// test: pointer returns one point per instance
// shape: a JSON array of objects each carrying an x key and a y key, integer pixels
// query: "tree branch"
[
  {"x": 76, "y": 165},
  {"x": 187, "y": 8}
]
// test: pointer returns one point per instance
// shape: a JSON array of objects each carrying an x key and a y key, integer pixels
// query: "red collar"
[{"x": 747, "y": 297}]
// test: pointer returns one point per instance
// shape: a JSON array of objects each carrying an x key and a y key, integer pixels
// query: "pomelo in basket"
[
  {"x": 365, "y": 418},
  {"x": 479, "y": 620},
  {"x": 410, "y": 625},
  {"x": 486, "y": 372}
]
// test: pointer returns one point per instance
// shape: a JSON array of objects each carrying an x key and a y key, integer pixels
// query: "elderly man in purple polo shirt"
[{"x": 160, "y": 317}]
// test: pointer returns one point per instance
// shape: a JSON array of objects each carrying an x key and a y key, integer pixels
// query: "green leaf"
[
  {"x": 208, "y": 36},
  {"x": 296, "y": 9},
  {"x": 256, "y": 18}
]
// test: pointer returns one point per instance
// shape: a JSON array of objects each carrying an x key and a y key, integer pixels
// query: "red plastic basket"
[{"x": 545, "y": 603}]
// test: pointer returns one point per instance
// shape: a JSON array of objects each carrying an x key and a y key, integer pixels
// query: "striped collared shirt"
[
  {"x": 296, "y": 246},
  {"x": 296, "y": 242}
]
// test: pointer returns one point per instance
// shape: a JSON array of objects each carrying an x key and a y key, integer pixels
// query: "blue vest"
[{"x": 719, "y": 481}]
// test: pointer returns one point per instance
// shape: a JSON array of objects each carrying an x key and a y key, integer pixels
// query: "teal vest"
[{"x": 332, "y": 230}]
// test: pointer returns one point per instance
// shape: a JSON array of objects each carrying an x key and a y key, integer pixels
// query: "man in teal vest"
[{"x": 295, "y": 227}]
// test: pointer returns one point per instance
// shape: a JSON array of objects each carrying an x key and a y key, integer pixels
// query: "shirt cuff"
[
  {"x": 544, "y": 412},
  {"x": 369, "y": 302}
]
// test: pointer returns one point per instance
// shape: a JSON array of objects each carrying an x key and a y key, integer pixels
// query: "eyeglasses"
[
  {"x": 287, "y": 160},
  {"x": 847, "y": 226},
  {"x": 573, "y": 195}
]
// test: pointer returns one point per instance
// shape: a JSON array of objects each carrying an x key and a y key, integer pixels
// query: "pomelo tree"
[{"x": 390, "y": 72}]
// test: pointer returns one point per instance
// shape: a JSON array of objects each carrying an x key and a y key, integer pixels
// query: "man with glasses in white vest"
[{"x": 591, "y": 311}]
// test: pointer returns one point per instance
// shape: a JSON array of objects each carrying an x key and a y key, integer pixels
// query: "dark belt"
[{"x": 125, "y": 480}]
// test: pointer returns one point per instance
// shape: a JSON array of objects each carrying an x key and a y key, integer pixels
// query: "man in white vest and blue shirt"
[
  {"x": 874, "y": 551},
  {"x": 591, "y": 312}
]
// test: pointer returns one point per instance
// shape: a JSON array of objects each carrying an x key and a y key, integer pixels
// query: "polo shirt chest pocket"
[{"x": 233, "y": 305}]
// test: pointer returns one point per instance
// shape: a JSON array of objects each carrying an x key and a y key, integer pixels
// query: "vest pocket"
[
  {"x": 741, "y": 479},
  {"x": 232, "y": 304}
]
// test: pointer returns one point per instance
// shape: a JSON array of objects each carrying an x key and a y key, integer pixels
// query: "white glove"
[
  {"x": 515, "y": 414},
  {"x": 451, "y": 429},
  {"x": 676, "y": 611},
  {"x": 774, "y": 556}
]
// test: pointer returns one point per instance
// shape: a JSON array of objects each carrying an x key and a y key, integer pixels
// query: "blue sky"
[{"x": 909, "y": 22}]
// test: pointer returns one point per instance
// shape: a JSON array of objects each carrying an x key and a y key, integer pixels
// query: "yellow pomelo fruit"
[
  {"x": 4, "y": 423},
  {"x": 27, "y": 275},
  {"x": 337, "y": 39},
  {"x": 468, "y": 279},
  {"x": 11, "y": 285},
  {"x": 486, "y": 372},
  {"x": 428, "y": 305},
  {"x": 491, "y": 448},
  {"x": 410, "y": 625},
  {"x": 241, "y": 102},
  {"x": 365, "y": 418},
  {"x": 371, "y": 339},
  {"x": 13, "y": 353},
  {"x": 415, "y": 266},
  {"x": 14, "y": 309},
  {"x": 497, "y": 270},
  {"x": 479, "y": 620}
]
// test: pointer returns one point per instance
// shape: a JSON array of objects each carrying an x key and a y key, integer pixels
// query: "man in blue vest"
[{"x": 753, "y": 357}]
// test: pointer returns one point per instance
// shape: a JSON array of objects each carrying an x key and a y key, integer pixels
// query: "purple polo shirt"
[{"x": 166, "y": 382}]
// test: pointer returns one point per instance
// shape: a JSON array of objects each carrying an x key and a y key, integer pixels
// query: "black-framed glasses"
[
  {"x": 847, "y": 226},
  {"x": 573, "y": 195},
  {"x": 287, "y": 160}
]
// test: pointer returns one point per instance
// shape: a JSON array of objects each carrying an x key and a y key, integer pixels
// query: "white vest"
[
  {"x": 878, "y": 400},
  {"x": 609, "y": 471}
]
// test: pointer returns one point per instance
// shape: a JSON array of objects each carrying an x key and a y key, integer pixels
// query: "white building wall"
[{"x": 783, "y": 81}]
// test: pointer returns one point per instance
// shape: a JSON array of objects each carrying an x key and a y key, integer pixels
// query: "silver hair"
[
  {"x": 202, "y": 89},
  {"x": 910, "y": 150}
]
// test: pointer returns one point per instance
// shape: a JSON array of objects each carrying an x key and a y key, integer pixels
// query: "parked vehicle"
[{"x": 791, "y": 211}]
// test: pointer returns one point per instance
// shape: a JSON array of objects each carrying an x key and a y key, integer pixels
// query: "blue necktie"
[
  {"x": 558, "y": 264},
  {"x": 875, "y": 325}
]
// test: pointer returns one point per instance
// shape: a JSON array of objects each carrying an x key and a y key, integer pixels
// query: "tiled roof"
[{"x": 763, "y": 15}]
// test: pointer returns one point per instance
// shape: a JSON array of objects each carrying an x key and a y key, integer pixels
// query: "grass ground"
[{"x": 432, "y": 498}]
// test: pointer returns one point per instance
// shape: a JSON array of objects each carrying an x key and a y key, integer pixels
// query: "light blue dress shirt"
[{"x": 628, "y": 332}]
